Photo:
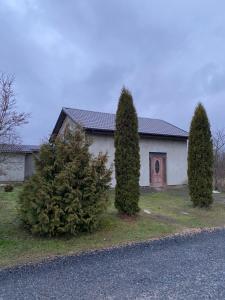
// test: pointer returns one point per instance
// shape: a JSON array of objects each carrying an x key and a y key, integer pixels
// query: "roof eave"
[
  {"x": 19, "y": 152},
  {"x": 142, "y": 134},
  {"x": 58, "y": 123}
]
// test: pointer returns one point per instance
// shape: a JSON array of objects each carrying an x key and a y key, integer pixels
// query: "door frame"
[{"x": 164, "y": 157}]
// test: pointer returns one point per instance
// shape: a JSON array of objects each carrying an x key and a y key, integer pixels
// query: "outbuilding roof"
[
  {"x": 101, "y": 121},
  {"x": 18, "y": 148}
]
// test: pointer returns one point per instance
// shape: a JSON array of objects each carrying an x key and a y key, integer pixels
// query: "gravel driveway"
[{"x": 191, "y": 267}]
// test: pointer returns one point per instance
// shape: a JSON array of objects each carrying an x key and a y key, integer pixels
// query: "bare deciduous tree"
[
  {"x": 219, "y": 158},
  {"x": 10, "y": 119}
]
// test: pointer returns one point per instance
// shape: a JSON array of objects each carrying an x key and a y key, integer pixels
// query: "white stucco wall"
[
  {"x": 68, "y": 123},
  {"x": 176, "y": 160},
  {"x": 12, "y": 167},
  {"x": 176, "y": 155},
  {"x": 104, "y": 143}
]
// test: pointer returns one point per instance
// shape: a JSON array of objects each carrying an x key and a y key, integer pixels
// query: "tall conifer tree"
[
  {"x": 127, "y": 157},
  {"x": 200, "y": 159}
]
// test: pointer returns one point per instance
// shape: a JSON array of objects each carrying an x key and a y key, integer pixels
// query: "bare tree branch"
[
  {"x": 10, "y": 119},
  {"x": 219, "y": 157}
]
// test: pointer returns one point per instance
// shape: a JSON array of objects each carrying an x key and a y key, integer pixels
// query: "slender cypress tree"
[
  {"x": 127, "y": 157},
  {"x": 200, "y": 159}
]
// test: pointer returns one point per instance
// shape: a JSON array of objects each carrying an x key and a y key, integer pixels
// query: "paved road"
[{"x": 173, "y": 268}]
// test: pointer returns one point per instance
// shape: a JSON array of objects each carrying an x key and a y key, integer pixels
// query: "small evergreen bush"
[
  {"x": 8, "y": 188},
  {"x": 200, "y": 159},
  {"x": 69, "y": 191},
  {"x": 127, "y": 157}
]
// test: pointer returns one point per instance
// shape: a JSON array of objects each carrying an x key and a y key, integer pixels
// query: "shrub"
[
  {"x": 8, "y": 188},
  {"x": 200, "y": 159},
  {"x": 127, "y": 157},
  {"x": 69, "y": 191}
]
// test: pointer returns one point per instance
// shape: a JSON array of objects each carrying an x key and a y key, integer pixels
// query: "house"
[
  {"x": 163, "y": 146},
  {"x": 17, "y": 162}
]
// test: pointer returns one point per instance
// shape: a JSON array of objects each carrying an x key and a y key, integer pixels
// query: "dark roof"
[
  {"x": 100, "y": 121},
  {"x": 17, "y": 148}
]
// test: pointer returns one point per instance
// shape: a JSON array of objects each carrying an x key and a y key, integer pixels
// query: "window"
[{"x": 157, "y": 166}]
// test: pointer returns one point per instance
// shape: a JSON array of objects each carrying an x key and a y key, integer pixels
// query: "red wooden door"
[{"x": 157, "y": 169}]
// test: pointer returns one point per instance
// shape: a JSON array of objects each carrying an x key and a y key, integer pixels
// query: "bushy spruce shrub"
[
  {"x": 200, "y": 159},
  {"x": 69, "y": 191},
  {"x": 127, "y": 157}
]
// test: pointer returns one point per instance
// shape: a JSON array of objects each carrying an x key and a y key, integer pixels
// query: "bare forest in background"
[{"x": 219, "y": 159}]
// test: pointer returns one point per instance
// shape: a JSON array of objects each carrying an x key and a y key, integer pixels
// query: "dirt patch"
[{"x": 129, "y": 219}]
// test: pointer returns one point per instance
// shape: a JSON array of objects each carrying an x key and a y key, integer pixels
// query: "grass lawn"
[{"x": 171, "y": 211}]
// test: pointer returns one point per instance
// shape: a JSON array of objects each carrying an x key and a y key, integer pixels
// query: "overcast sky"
[{"x": 170, "y": 54}]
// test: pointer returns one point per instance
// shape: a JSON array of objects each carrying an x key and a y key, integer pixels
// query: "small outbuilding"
[
  {"x": 163, "y": 146},
  {"x": 17, "y": 162}
]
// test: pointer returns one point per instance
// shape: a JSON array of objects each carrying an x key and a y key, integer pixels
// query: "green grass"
[{"x": 171, "y": 211}]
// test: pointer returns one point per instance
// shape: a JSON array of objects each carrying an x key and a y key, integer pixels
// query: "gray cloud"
[{"x": 80, "y": 53}]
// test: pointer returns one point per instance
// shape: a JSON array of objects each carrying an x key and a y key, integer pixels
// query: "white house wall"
[
  {"x": 176, "y": 157},
  {"x": 104, "y": 144},
  {"x": 176, "y": 160},
  {"x": 67, "y": 123},
  {"x": 12, "y": 168}
]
